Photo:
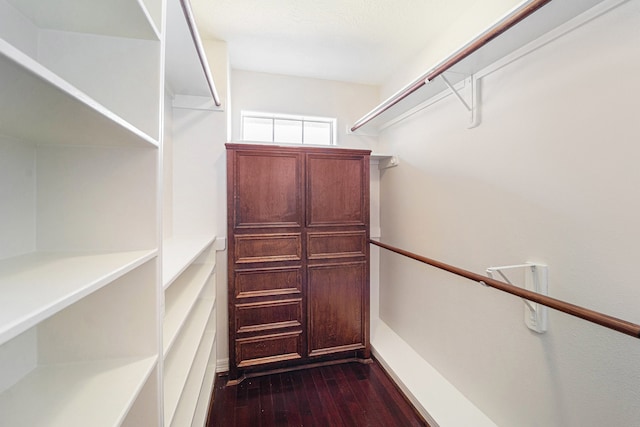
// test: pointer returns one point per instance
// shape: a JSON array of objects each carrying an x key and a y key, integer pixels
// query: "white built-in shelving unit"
[
  {"x": 107, "y": 259},
  {"x": 189, "y": 242},
  {"x": 189, "y": 327},
  {"x": 79, "y": 157}
]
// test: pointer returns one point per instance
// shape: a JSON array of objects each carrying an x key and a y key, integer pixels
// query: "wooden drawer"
[
  {"x": 268, "y": 348},
  {"x": 265, "y": 316},
  {"x": 262, "y": 282},
  {"x": 268, "y": 247},
  {"x": 340, "y": 244}
]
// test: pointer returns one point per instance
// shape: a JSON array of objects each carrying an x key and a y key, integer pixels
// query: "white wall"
[
  {"x": 275, "y": 93},
  {"x": 18, "y": 182},
  {"x": 190, "y": 136},
  {"x": 551, "y": 175}
]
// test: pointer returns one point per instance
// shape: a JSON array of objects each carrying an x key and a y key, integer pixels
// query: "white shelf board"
[
  {"x": 178, "y": 253},
  {"x": 93, "y": 394},
  {"x": 435, "y": 398},
  {"x": 202, "y": 408},
  {"x": 384, "y": 161},
  {"x": 128, "y": 18},
  {"x": 180, "y": 359},
  {"x": 190, "y": 395},
  {"x": 380, "y": 156},
  {"x": 544, "y": 20},
  {"x": 180, "y": 303},
  {"x": 39, "y": 106},
  {"x": 38, "y": 285}
]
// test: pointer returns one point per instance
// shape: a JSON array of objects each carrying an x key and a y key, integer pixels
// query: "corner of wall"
[{"x": 435, "y": 398}]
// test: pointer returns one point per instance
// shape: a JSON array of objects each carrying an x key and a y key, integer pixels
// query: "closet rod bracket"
[
  {"x": 536, "y": 279},
  {"x": 470, "y": 85}
]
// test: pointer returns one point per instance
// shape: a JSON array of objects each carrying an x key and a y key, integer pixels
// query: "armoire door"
[{"x": 337, "y": 231}]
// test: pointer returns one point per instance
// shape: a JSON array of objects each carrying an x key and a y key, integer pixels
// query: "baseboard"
[
  {"x": 222, "y": 365},
  {"x": 435, "y": 398}
]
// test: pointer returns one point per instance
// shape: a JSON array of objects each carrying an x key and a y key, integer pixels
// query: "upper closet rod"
[
  {"x": 191, "y": 23},
  {"x": 476, "y": 44}
]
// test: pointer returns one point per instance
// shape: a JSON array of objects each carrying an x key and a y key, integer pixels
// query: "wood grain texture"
[
  {"x": 267, "y": 189},
  {"x": 335, "y": 301},
  {"x": 340, "y": 244},
  {"x": 334, "y": 184},
  {"x": 268, "y": 348},
  {"x": 265, "y": 315},
  {"x": 268, "y": 247},
  {"x": 350, "y": 394},
  {"x": 265, "y": 282}
]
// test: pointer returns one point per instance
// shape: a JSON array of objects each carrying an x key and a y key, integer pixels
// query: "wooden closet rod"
[
  {"x": 191, "y": 23},
  {"x": 452, "y": 60},
  {"x": 574, "y": 310}
]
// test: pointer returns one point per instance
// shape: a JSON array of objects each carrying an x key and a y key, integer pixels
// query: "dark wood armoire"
[{"x": 298, "y": 266}]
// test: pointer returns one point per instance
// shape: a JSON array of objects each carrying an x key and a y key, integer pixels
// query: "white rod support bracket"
[
  {"x": 455, "y": 92},
  {"x": 472, "y": 87},
  {"x": 390, "y": 162},
  {"x": 536, "y": 279}
]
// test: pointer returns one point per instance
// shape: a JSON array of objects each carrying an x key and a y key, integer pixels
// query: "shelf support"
[
  {"x": 390, "y": 162},
  {"x": 472, "y": 104},
  {"x": 536, "y": 279}
]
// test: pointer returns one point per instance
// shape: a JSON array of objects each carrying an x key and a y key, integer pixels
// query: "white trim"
[
  {"x": 375, "y": 233},
  {"x": 220, "y": 244},
  {"x": 222, "y": 365},
  {"x": 331, "y": 121}
]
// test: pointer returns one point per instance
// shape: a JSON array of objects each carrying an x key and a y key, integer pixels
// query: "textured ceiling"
[{"x": 349, "y": 40}]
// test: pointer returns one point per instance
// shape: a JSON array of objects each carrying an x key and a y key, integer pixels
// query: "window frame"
[{"x": 331, "y": 121}]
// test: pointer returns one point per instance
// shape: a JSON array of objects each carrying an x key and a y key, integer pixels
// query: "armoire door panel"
[
  {"x": 268, "y": 247},
  {"x": 340, "y": 244},
  {"x": 265, "y": 282},
  {"x": 267, "y": 190},
  {"x": 336, "y": 307},
  {"x": 335, "y": 185},
  {"x": 268, "y": 349},
  {"x": 268, "y": 315}
]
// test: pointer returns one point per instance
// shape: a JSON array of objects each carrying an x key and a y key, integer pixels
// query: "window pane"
[
  {"x": 257, "y": 129},
  {"x": 317, "y": 133},
  {"x": 287, "y": 131}
]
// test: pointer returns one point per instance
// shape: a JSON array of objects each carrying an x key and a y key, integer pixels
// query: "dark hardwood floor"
[{"x": 348, "y": 394}]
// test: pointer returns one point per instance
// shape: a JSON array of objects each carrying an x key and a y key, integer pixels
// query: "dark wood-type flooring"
[{"x": 347, "y": 394}]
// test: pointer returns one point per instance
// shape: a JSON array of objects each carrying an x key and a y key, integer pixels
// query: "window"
[{"x": 281, "y": 128}]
